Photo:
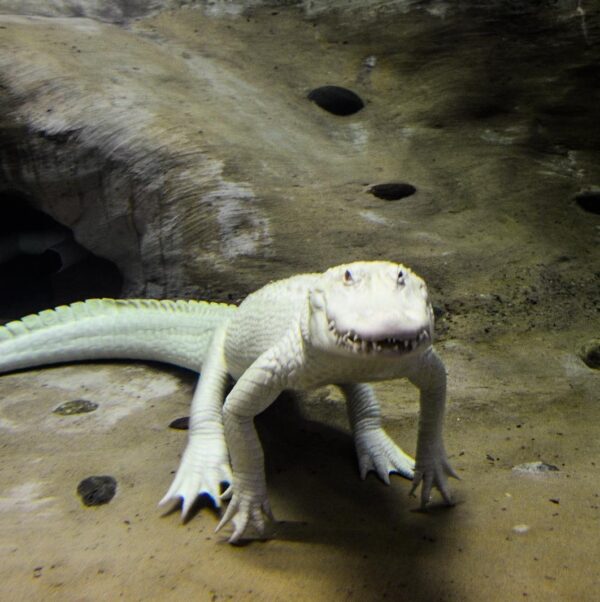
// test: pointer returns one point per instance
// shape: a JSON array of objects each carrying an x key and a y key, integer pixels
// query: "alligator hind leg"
[{"x": 205, "y": 462}]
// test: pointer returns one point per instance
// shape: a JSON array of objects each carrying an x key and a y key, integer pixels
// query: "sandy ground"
[
  {"x": 497, "y": 150},
  {"x": 509, "y": 536}
]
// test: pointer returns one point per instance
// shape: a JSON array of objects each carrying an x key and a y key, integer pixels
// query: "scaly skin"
[{"x": 354, "y": 323}]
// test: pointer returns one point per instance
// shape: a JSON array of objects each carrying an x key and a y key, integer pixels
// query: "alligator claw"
[
  {"x": 433, "y": 473},
  {"x": 377, "y": 452},
  {"x": 246, "y": 512},
  {"x": 197, "y": 478}
]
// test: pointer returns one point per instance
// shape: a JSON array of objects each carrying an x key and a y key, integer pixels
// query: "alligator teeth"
[{"x": 352, "y": 340}]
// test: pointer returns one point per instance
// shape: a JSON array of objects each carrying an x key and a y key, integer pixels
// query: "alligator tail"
[{"x": 175, "y": 332}]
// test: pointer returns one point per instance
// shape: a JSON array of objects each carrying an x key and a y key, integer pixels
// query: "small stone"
[
  {"x": 97, "y": 490},
  {"x": 180, "y": 424},
  {"x": 535, "y": 468},
  {"x": 76, "y": 406},
  {"x": 521, "y": 528}
]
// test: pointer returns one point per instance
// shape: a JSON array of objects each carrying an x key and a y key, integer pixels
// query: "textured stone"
[
  {"x": 97, "y": 490},
  {"x": 75, "y": 406}
]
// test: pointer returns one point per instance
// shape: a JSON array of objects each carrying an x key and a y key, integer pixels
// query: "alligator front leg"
[
  {"x": 205, "y": 462},
  {"x": 432, "y": 466},
  {"x": 257, "y": 388},
  {"x": 375, "y": 450}
]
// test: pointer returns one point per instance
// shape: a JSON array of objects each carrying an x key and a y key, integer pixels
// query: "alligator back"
[{"x": 175, "y": 332}]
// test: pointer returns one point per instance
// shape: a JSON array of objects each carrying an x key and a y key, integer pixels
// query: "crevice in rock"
[{"x": 41, "y": 263}]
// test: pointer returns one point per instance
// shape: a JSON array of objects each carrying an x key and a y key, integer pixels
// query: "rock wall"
[
  {"x": 181, "y": 144},
  {"x": 113, "y": 11},
  {"x": 96, "y": 145}
]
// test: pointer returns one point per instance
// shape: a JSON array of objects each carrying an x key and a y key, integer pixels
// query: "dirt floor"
[
  {"x": 509, "y": 536},
  {"x": 499, "y": 135}
]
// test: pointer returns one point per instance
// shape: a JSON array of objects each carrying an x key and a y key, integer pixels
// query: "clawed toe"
[
  {"x": 246, "y": 515},
  {"x": 431, "y": 476},
  {"x": 378, "y": 453},
  {"x": 189, "y": 484}
]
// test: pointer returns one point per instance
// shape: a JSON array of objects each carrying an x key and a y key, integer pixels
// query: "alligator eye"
[{"x": 348, "y": 277}]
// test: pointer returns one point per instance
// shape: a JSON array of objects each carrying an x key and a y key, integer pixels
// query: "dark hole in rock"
[
  {"x": 392, "y": 191},
  {"x": 590, "y": 354},
  {"x": 75, "y": 406},
  {"x": 336, "y": 100},
  {"x": 485, "y": 110},
  {"x": 41, "y": 264},
  {"x": 438, "y": 311},
  {"x": 180, "y": 424},
  {"x": 589, "y": 200},
  {"x": 97, "y": 490}
]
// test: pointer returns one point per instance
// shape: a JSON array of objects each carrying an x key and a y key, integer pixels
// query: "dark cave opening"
[{"x": 41, "y": 263}]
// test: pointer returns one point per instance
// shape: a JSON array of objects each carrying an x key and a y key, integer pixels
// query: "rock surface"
[{"x": 182, "y": 146}]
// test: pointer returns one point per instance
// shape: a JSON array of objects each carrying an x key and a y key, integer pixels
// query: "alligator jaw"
[{"x": 396, "y": 345}]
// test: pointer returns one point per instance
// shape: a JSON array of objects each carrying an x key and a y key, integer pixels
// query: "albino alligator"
[{"x": 359, "y": 322}]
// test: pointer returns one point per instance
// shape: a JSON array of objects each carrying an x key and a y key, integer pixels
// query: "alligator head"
[{"x": 374, "y": 308}]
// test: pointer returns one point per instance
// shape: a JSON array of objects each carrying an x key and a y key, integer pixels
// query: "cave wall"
[
  {"x": 104, "y": 155},
  {"x": 177, "y": 140},
  {"x": 113, "y": 11}
]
